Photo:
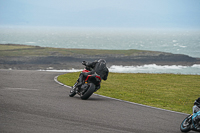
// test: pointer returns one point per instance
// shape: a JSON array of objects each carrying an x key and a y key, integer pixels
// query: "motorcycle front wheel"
[
  {"x": 72, "y": 93},
  {"x": 89, "y": 92},
  {"x": 186, "y": 124}
]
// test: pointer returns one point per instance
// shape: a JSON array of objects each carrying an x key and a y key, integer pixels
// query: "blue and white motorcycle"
[{"x": 189, "y": 123}]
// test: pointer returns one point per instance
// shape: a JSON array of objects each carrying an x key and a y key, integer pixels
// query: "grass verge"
[
  {"x": 168, "y": 91},
  {"x": 26, "y": 50}
]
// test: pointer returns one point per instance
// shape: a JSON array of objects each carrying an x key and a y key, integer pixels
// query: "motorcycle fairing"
[
  {"x": 85, "y": 71},
  {"x": 93, "y": 78},
  {"x": 195, "y": 115}
]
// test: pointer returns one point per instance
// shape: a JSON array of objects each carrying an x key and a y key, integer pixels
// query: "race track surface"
[{"x": 32, "y": 102}]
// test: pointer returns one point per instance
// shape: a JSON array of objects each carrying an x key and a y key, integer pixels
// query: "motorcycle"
[
  {"x": 90, "y": 85},
  {"x": 190, "y": 124}
]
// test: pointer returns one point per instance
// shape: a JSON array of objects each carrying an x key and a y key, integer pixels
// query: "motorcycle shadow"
[{"x": 92, "y": 98}]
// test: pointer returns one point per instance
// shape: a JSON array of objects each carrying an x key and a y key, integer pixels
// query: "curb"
[{"x": 55, "y": 79}]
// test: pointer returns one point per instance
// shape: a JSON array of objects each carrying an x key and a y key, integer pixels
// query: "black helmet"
[
  {"x": 198, "y": 100},
  {"x": 102, "y": 60}
]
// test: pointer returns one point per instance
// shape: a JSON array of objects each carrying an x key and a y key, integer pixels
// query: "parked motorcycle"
[
  {"x": 190, "y": 124},
  {"x": 89, "y": 86}
]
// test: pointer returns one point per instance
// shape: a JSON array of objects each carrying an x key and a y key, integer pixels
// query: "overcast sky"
[{"x": 102, "y": 13}]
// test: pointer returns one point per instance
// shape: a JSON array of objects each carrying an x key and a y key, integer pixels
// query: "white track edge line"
[{"x": 55, "y": 79}]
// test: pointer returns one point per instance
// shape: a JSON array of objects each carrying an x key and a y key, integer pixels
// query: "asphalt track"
[{"x": 32, "y": 102}]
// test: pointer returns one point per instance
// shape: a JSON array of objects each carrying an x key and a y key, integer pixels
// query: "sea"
[{"x": 176, "y": 41}]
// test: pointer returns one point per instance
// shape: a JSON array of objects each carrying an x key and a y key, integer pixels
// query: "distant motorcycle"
[
  {"x": 189, "y": 123},
  {"x": 90, "y": 85}
]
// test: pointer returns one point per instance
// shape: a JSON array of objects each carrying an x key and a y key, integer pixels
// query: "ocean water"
[
  {"x": 174, "y": 41},
  {"x": 150, "y": 68}
]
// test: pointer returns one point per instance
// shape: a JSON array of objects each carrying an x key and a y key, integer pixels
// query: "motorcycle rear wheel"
[
  {"x": 89, "y": 92},
  {"x": 186, "y": 124}
]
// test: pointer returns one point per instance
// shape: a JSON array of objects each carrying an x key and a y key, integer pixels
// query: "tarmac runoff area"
[{"x": 32, "y": 102}]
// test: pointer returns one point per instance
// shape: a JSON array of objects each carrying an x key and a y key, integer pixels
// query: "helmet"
[
  {"x": 102, "y": 60},
  {"x": 198, "y": 100}
]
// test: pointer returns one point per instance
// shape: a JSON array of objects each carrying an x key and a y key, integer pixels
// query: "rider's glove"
[{"x": 84, "y": 62}]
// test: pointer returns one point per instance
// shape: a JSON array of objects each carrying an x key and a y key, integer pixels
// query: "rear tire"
[
  {"x": 89, "y": 92},
  {"x": 186, "y": 124}
]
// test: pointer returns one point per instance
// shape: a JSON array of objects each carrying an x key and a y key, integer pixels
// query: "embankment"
[{"x": 33, "y": 57}]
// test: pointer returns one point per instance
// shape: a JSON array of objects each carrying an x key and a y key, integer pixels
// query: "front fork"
[
  {"x": 75, "y": 84},
  {"x": 76, "y": 89}
]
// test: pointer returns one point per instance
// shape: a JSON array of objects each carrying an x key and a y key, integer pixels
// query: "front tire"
[
  {"x": 186, "y": 124},
  {"x": 89, "y": 92},
  {"x": 72, "y": 92}
]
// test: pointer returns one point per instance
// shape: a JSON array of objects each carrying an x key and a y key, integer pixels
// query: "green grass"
[
  {"x": 25, "y": 50},
  {"x": 14, "y": 47},
  {"x": 168, "y": 91}
]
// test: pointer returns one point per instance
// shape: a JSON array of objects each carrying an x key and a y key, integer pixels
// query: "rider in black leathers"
[
  {"x": 98, "y": 67},
  {"x": 196, "y": 108}
]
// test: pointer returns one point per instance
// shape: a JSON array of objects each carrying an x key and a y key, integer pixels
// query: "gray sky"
[{"x": 102, "y": 13}]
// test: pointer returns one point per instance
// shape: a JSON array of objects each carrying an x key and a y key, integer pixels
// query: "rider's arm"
[
  {"x": 91, "y": 64},
  {"x": 105, "y": 75}
]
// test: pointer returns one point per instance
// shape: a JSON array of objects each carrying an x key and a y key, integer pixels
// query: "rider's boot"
[
  {"x": 191, "y": 127},
  {"x": 198, "y": 127},
  {"x": 197, "y": 122}
]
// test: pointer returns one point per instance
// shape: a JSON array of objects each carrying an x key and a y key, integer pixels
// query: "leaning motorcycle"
[
  {"x": 89, "y": 86},
  {"x": 189, "y": 123}
]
